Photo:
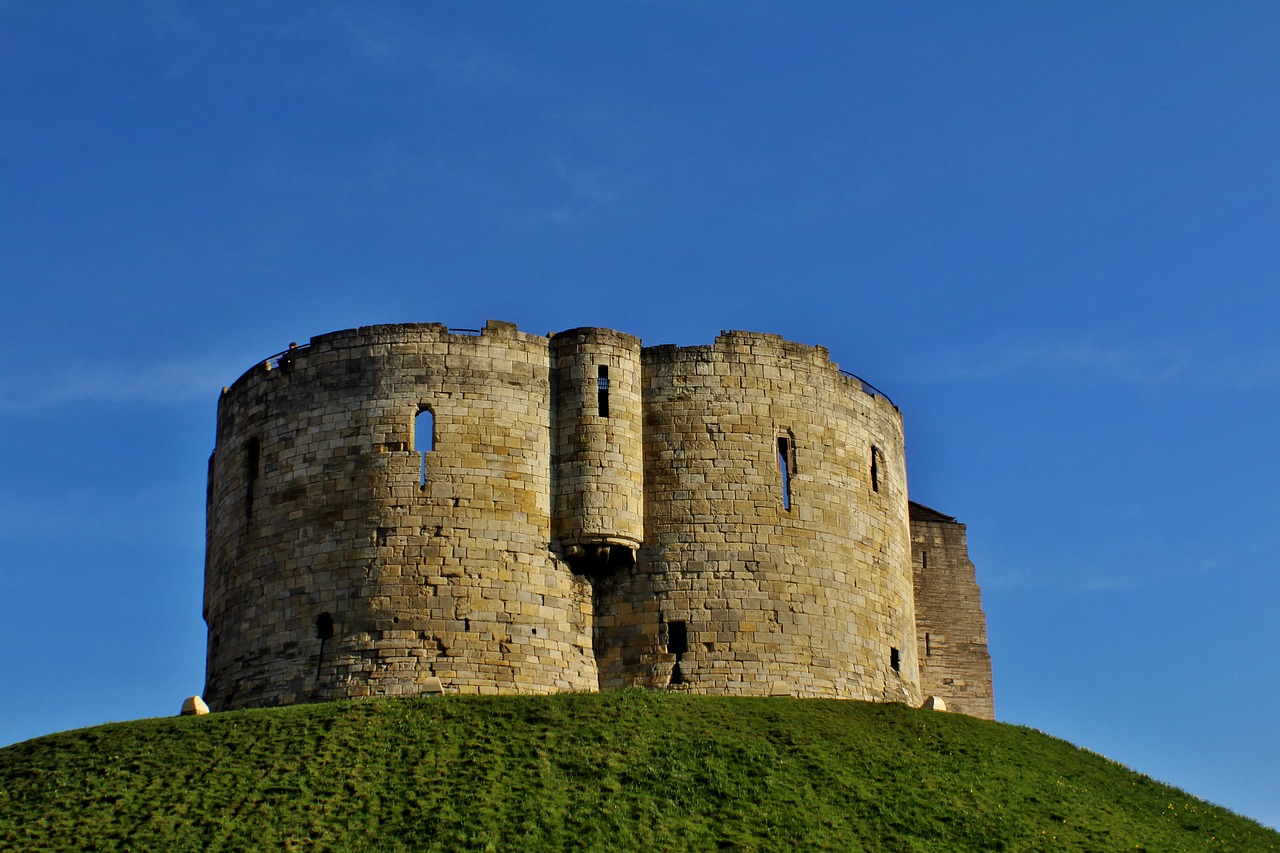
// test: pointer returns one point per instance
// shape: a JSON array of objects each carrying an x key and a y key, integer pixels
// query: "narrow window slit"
[
  {"x": 786, "y": 467},
  {"x": 875, "y": 469},
  {"x": 252, "y": 468},
  {"x": 324, "y": 632},
  {"x": 602, "y": 390},
  {"x": 894, "y": 659}
]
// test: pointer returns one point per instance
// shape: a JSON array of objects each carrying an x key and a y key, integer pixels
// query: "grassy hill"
[{"x": 628, "y": 770}]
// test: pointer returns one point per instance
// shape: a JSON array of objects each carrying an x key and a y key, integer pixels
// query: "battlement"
[{"x": 520, "y": 513}]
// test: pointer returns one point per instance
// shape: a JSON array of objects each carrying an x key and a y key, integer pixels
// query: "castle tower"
[
  {"x": 597, "y": 452},
  {"x": 396, "y": 507}
]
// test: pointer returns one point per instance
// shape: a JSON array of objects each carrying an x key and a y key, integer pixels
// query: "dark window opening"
[
  {"x": 677, "y": 644},
  {"x": 602, "y": 390},
  {"x": 252, "y": 459},
  {"x": 894, "y": 660},
  {"x": 324, "y": 631},
  {"x": 928, "y": 645},
  {"x": 786, "y": 467},
  {"x": 875, "y": 469},
  {"x": 677, "y": 638},
  {"x": 924, "y": 559},
  {"x": 252, "y": 468},
  {"x": 424, "y": 441}
]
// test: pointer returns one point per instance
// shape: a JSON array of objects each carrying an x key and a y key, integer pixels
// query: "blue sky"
[{"x": 1047, "y": 231}]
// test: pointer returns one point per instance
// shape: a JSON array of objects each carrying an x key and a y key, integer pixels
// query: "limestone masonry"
[{"x": 401, "y": 509}]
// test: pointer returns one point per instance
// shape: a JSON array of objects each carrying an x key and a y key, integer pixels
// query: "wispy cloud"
[
  {"x": 1147, "y": 364},
  {"x": 166, "y": 383},
  {"x": 578, "y": 192}
]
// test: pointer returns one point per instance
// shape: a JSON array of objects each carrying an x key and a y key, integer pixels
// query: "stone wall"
[
  {"x": 512, "y": 513},
  {"x": 952, "y": 629}
]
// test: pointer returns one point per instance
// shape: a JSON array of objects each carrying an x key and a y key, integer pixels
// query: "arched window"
[{"x": 424, "y": 441}]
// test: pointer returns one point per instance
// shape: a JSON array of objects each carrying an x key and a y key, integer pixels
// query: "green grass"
[{"x": 629, "y": 770}]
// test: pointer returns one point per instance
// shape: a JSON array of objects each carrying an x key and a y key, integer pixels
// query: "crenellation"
[{"x": 581, "y": 494}]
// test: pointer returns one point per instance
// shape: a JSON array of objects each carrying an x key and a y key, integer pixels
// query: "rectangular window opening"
[
  {"x": 677, "y": 638},
  {"x": 602, "y": 390},
  {"x": 928, "y": 645},
  {"x": 895, "y": 660},
  {"x": 875, "y": 469}
]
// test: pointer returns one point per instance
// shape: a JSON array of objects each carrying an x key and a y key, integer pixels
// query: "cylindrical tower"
[
  {"x": 598, "y": 452},
  {"x": 379, "y": 516},
  {"x": 777, "y": 552}
]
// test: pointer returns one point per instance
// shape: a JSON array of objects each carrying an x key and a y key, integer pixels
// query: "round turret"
[{"x": 598, "y": 452}]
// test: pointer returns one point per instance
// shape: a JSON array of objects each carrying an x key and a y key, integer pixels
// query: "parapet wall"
[{"x": 511, "y": 513}]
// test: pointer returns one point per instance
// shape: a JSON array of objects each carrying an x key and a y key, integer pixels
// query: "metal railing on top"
[
  {"x": 274, "y": 362},
  {"x": 868, "y": 388}
]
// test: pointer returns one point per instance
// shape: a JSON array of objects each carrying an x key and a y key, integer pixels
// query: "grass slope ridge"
[{"x": 622, "y": 770}]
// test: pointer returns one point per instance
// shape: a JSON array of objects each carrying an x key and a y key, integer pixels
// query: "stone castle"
[{"x": 400, "y": 509}]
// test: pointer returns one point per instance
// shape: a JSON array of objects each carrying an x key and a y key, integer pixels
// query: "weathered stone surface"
[
  {"x": 584, "y": 513},
  {"x": 951, "y": 626}
]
